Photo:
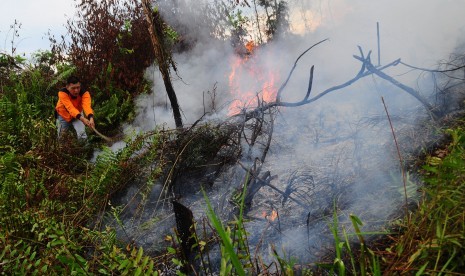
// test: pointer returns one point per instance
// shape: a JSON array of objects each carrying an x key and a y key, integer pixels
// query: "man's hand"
[{"x": 91, "y": 122}]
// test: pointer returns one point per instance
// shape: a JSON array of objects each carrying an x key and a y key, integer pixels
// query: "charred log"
[
  {"x": 254, "y": 187},
  {"x": 184, "y": 226}
]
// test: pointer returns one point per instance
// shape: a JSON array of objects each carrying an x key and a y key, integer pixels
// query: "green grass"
[{"x": 433, "y": 242}]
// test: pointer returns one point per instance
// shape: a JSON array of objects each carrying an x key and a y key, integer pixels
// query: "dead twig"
[
  {"x": 404, "y": 177},
  {"x": 280, "y": 90},
  {"x": 432, "y": 70},
  {"x": 267, "y": 183}
]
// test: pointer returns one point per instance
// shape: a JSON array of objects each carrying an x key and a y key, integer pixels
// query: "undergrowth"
[
  {"x": 429, "y": 240},
  {"x": 51, "y": 194},
  {"x": 432, "y": 243}
]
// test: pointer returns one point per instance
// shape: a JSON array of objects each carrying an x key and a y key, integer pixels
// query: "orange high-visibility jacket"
[{"x": 70, "y": 107}]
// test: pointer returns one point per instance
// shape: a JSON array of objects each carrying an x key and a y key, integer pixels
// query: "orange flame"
[
  {"x": 250, "y": 46},
  {"x": 271, "y": 217},
  {"x": 247, "y": 79}
]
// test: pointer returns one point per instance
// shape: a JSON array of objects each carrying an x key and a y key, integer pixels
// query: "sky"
[{"x": 37, "y": 18}]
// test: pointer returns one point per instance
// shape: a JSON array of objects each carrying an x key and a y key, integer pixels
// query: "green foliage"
[
  {"x": 112, "y": 106},
  {"x": 17, "y": 118},
  {"x": 125, "y": 34},
  {"x": 35, "y": 243},
  {"x": 51, "y": 247},
  {"x": 237, "y": 20},
  {"x": 10, "y": 186},
  {"x": 114, "y": 111},
  {"x": 106, "y": 171},
  {"x": 49, "y": 190},
  {"x": 368, "y": 261},
  {"x": 363, "y": 261},
  {"x": 238, "y": 24},
  {"x": 286, "y": 267},
  {"x": 229, "y": 258},
  {"x": 141, "y": 149},
  {"x": 171, "y": 34},
  {"x": 11, "y": 62},
  {"x": 432, "y": 238},
  {"x": 233, "y": 241},
  {"x": 114, "y": 260},
  {"x": 64, "y": 71}
]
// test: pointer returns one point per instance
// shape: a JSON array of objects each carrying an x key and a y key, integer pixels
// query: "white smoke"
[
  {"x": 332, "y": 138},
  {"x": 420, "y": 32}
]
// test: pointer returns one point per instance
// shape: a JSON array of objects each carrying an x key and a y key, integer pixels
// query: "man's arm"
[{"x": 86, "y": 105}]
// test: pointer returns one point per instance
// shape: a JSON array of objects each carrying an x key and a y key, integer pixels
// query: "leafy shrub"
[{"x": 118, "y": 108}]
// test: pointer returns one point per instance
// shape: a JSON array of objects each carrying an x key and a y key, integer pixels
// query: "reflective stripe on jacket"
[{"x": 70, "y": 107}]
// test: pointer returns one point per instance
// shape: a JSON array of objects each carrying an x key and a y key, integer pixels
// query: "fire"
[
  {"x": 250, "y": 46},
  {"x": 247, "y": 79},
  {"x": 271, "y": 217}
]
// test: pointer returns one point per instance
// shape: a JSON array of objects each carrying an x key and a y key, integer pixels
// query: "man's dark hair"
[{"x": 73, "y": 80}]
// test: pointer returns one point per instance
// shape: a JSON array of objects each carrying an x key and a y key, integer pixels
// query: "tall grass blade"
[{"x": 224, "y": 237}]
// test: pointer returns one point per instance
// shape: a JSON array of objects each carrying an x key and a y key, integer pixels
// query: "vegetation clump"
[{"x": 431, "y": 239}]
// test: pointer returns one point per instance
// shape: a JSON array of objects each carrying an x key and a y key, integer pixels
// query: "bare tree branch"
[
  {"x": 366, "y": 69},
  {"x": 431, "y": 70},
  {"x": 266, "y": 182},
  {"x": 280, "y": 90},
  {"x": 404, "y": 87}
]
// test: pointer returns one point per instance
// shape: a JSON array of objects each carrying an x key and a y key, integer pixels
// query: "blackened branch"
[
  {"x": 310, "y": 83},
  {"x": 280, "y": 90},
  {"x": 433, "y": 71},
  {"x": 404, "y": 87}
]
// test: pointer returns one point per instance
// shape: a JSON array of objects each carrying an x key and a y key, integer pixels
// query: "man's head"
[{"x": 73, "y": 84}]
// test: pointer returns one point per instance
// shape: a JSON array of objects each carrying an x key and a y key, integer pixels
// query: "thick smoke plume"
[{"x": 338, "y": 150}]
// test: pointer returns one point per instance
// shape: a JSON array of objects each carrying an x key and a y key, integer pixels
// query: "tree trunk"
[{"x": 163, "y": 57}]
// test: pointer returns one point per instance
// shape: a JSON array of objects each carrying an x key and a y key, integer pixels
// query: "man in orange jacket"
[{"x": 72, "y": 100}]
